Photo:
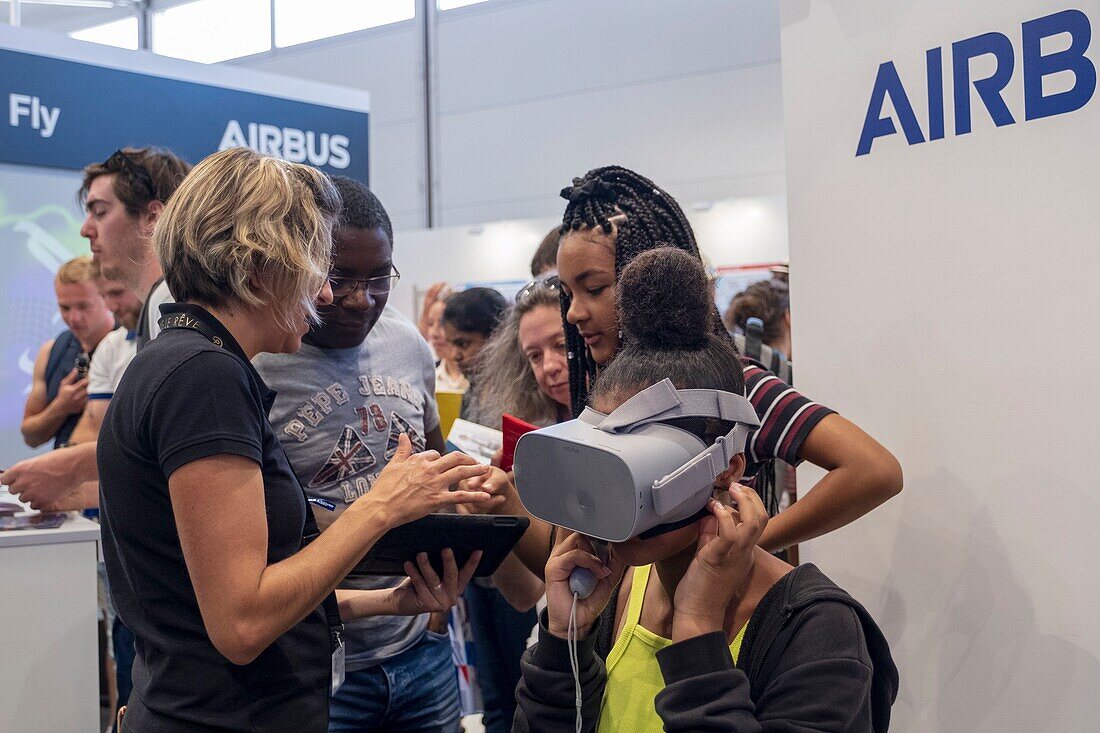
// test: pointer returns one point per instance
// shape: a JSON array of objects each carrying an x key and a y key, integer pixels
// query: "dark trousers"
[
  {"x": 500, "y": 637},
  {"x": 122, "y": 643}
]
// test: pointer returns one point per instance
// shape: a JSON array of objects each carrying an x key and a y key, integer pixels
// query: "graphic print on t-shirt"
[
  {"x": 400, "y": 425},
  {"x": 349, "y": 457}
]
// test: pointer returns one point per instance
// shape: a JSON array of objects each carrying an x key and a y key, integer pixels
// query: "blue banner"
[{"x": 66, "y": 114}]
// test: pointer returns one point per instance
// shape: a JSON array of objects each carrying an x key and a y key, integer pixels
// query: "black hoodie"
[{"x": 812, "y": 659}]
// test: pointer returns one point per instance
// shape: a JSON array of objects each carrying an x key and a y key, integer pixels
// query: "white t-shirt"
[
  {"x": 157, "y": 298},
  {"x": 112, "y": 356}
]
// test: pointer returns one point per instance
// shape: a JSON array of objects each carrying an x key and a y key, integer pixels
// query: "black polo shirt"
[{"x": 181, "y": 399}]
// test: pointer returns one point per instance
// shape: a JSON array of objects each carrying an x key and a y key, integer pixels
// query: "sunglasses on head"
[
  {"x": 546, "y": 285},
  {"x": 121, "y": 162}
]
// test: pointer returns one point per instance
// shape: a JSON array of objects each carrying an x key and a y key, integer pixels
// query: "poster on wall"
[
  {"x": 39, "y": 231},
  {"x": 52, "y": 120}
]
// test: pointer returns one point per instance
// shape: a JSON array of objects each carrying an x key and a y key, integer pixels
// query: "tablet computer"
[{"x": 494, "y": 535}]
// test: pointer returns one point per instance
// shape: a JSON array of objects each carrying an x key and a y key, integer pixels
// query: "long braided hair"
[
  {"x": 645, "y": 218},
  {"x": 642, "y": 217}
]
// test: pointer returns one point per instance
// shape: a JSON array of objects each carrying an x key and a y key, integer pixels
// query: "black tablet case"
[{"x": 494, "y": 535}]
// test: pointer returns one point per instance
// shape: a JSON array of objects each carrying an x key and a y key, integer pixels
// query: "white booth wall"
[
  {"x": 945, "y": 299},
  {"x": 534, "y": 92},
  {"x": 734, "y": 235}
]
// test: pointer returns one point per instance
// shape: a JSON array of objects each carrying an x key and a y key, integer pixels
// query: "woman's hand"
[
  {"x": 722, "y": 563},
  {"x": 575, "y": 551},
  {"x": 421, "y": 592},
  {"x": 412, "y": 486},
  {"x": 424, "y": 592},
  {"x": 504, "y": 499}
]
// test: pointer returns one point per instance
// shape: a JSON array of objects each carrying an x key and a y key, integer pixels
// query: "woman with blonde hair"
[{"x": 206, "y": 530}]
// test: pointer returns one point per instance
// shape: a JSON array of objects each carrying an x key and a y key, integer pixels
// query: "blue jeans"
[
  {"x": 415, "y": 691},
  {"x": 500, "y": 638}
]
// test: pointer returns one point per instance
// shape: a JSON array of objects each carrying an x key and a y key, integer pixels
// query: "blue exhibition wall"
[
  {"x": 65, "y": 114},
  {"x": 62, "y": 110}
]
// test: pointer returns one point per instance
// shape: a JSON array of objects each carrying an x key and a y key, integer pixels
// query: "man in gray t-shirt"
[
  {"x": 360, "y": 380},
  {"x": 338, "y": 414}
]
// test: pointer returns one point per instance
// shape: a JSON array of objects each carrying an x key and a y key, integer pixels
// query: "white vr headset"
[{"x": 618, "y": 476}]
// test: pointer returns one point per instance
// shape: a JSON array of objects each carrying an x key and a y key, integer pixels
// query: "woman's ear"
[{"x": 258, "y": 283}]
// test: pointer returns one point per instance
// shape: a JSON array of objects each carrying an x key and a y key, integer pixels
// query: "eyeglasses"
[
  {"x": 120, "y": 161},
  {"x": 551, "y": 284},
  {"x": 342, "y": 287}
]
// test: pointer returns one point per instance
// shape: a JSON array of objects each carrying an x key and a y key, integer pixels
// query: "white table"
[{"x": 49, "y": 658}]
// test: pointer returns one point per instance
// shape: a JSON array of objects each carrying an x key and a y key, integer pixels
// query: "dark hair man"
[
  {"x": 123, "y": 197},
  {"x": 361, "y": 380},
  {"x": 545, "y": 261}
]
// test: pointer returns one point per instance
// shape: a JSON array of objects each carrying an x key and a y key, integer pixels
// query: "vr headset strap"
[
  {"x": 683, "y": 483},
  {"x": 662, "y": 402}
]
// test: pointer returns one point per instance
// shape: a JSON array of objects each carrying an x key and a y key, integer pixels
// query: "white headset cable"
[{"x": 574, "y": 658}]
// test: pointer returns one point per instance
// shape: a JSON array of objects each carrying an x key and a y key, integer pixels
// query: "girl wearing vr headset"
[
  {"x": 614, "y": 215},
  {"x": 706, "y": 630}
]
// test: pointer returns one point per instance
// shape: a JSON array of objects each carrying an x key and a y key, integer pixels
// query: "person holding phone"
[
  {"x": 59, "y": 388},
  {"x": 212, "y": 555}
]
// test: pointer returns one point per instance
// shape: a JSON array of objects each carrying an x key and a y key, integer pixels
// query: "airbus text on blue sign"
[
  {"x": 66, "y": 114},
  {"x": 1069, "y": 31}
]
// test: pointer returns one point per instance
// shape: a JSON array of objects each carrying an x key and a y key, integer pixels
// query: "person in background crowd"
[
  {"x": 59, "y": 384},
  {"x": 448, "y": 375},
  {"x": 500, "y": 630},
  {"x": 436, "y": 292},
  {"x": 469, "y": 319},
  {"x": 123, "y": 197},
  {"x": 242, "y": 634},
  {"x": 116, "y": 351},
  {"x": 706, "y": 631},
  {"x": 525, "y": 374},
  {"x": 361, "y": 380},
  {"x": 545, "y": 261},
  {"x": 114, "y": 355},
  {"x": 524, "y": 366},
  {"x": 768, "y": 300}
]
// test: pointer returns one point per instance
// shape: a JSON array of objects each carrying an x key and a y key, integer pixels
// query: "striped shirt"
[{"x": 786, "y": 418}]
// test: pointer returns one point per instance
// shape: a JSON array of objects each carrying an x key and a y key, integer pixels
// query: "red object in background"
[{"x": 512, "y": 427}]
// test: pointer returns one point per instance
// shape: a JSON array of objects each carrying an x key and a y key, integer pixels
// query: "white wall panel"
[
  {"x": 397, "y": 167},
  {"x": 932, "y": 283},
  {"x": 520, "y": 51},
  {"x": 699, "y": 132},
  {"x": 385, "y": 61},
  {"x": 533, "y": 92}
]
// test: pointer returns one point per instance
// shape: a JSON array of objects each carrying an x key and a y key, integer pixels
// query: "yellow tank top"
[{"x": 633, "y": 675}]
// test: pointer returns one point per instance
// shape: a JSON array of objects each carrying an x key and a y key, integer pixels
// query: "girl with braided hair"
[{"x": 615, "y": 214}]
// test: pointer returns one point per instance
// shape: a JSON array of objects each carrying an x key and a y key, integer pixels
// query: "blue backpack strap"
[{"x": 60, "y": 362}]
